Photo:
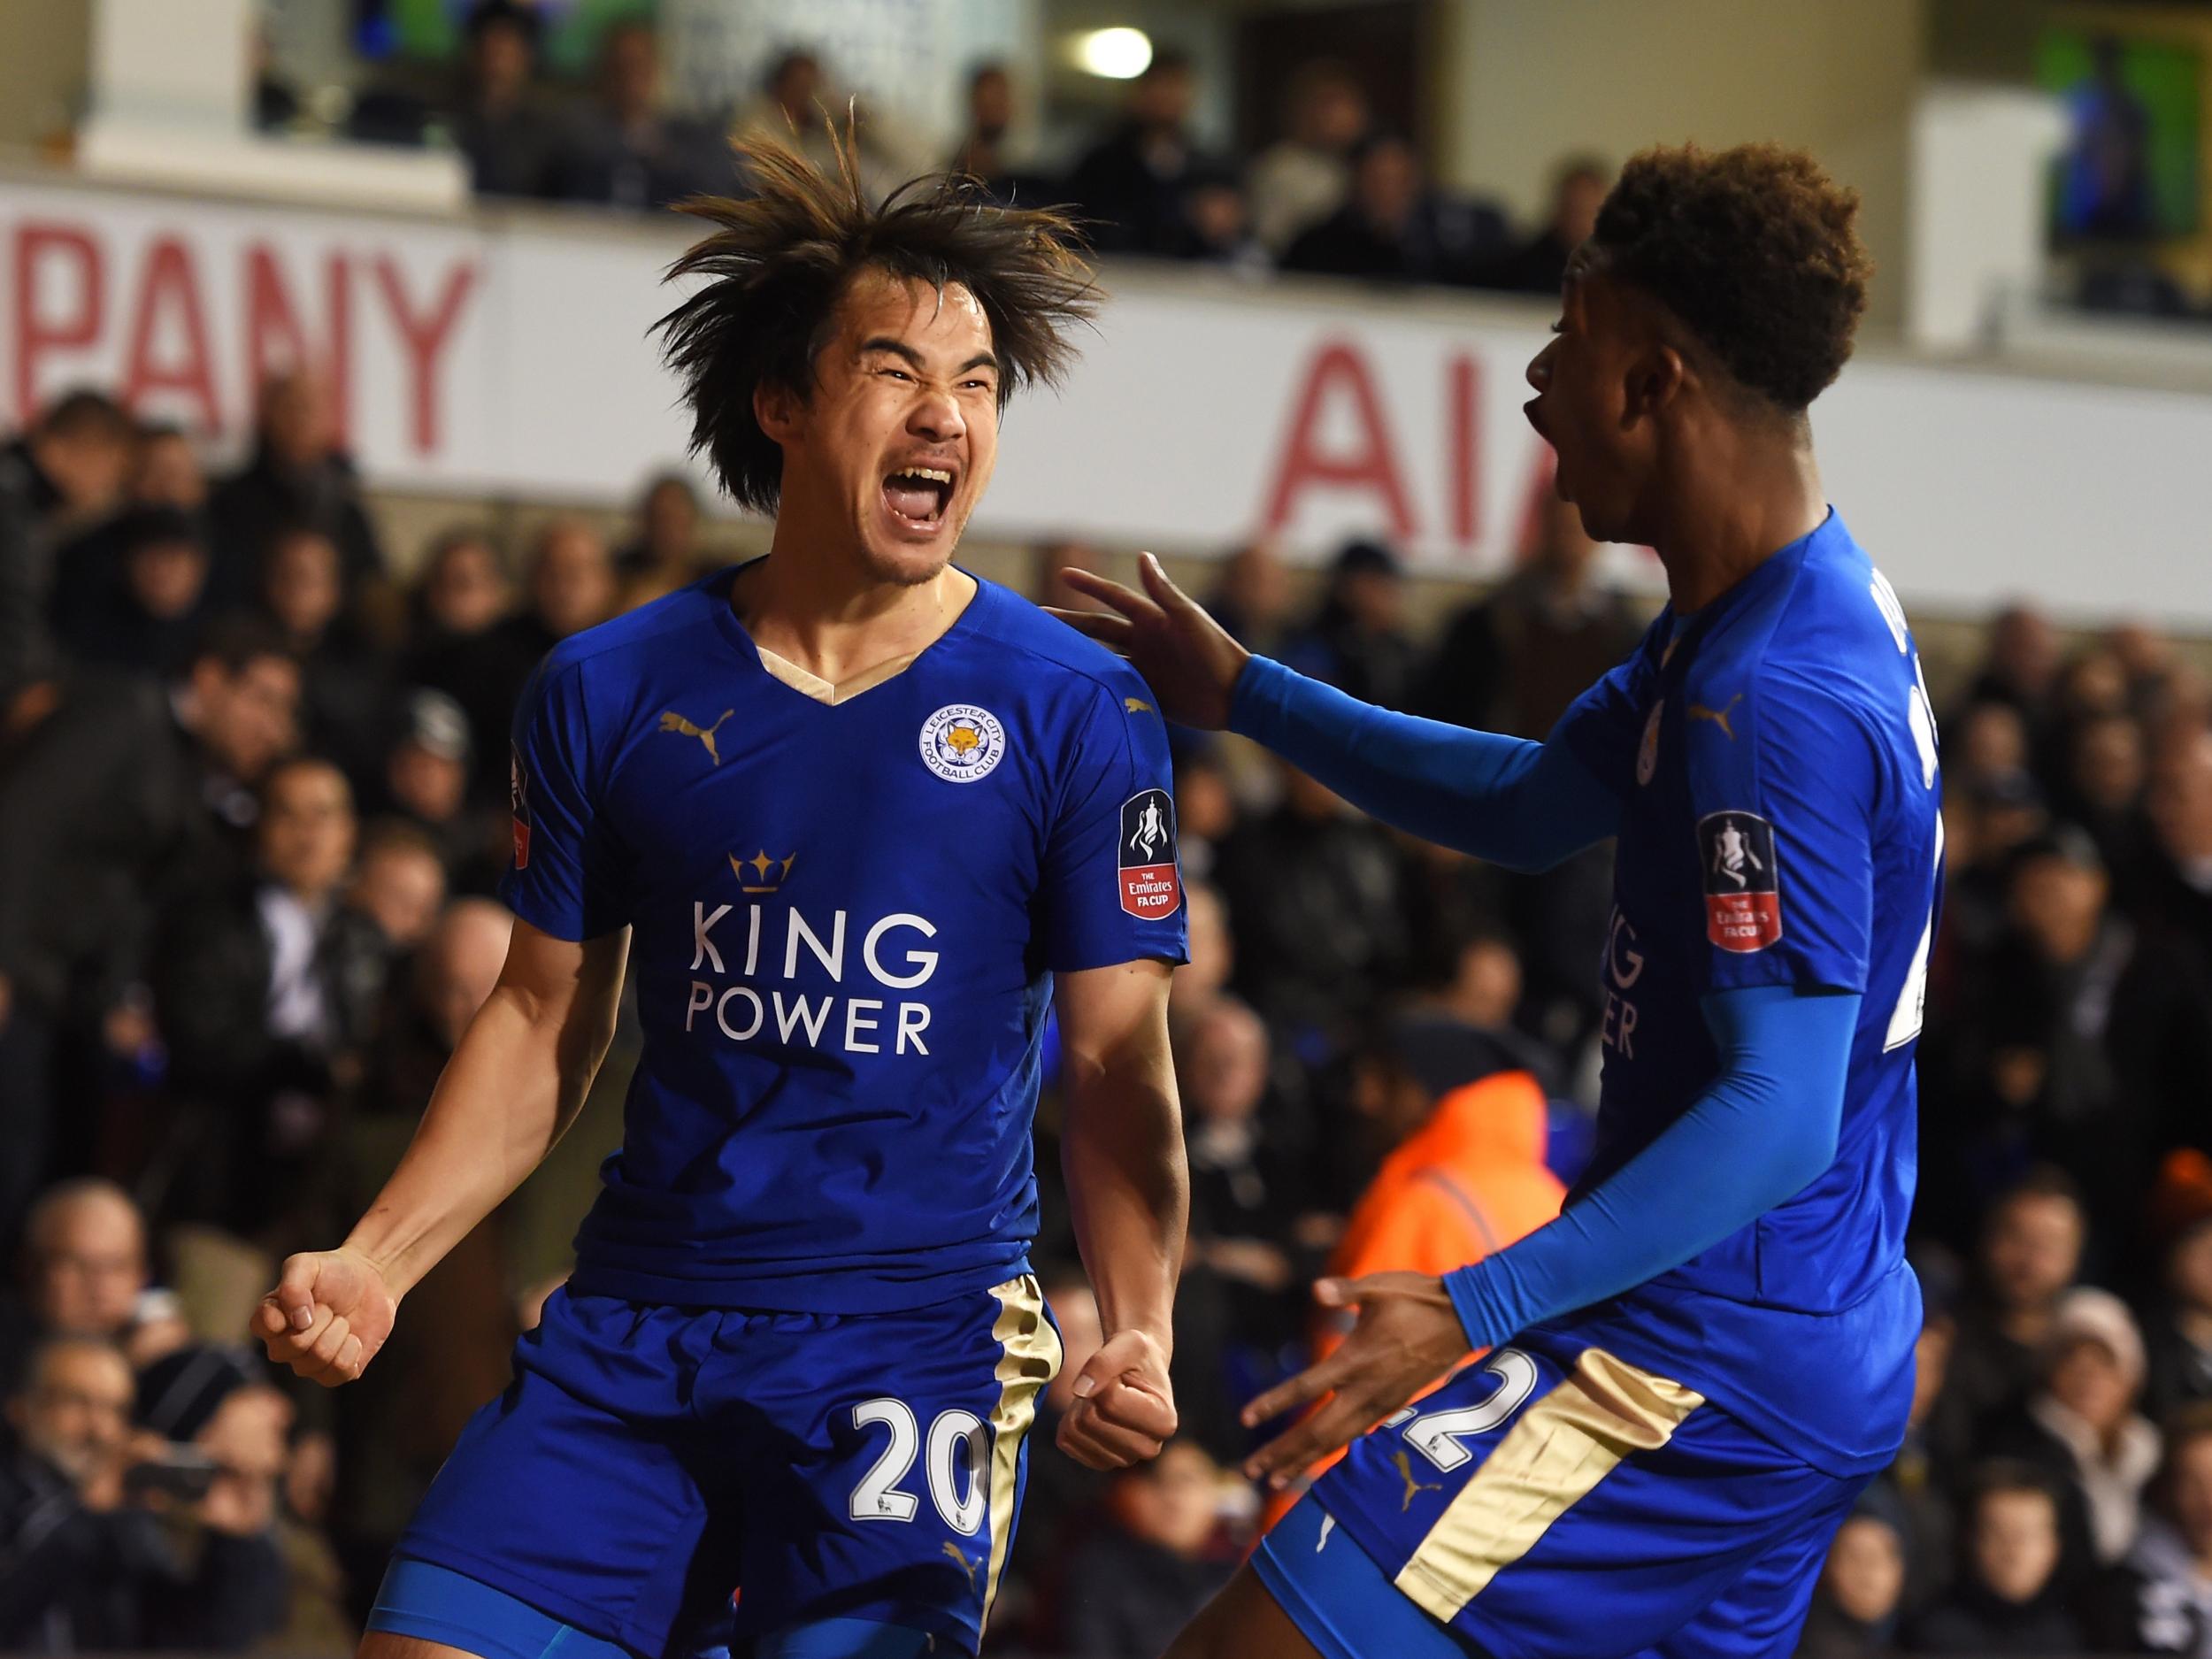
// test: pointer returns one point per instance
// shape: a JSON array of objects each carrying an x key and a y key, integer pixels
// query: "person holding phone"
[{"x": 86, "y": 1561}]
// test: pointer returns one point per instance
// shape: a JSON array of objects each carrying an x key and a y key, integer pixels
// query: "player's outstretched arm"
[
  {"x": 1514, "y": 802},
  {"x": 513, "y": 1084},
  {"x": 1129, "y": 1189},
  {"x": 1764, "y": 1128}
]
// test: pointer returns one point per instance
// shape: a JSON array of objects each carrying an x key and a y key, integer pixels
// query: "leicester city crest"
[{"x": 962, "y": 743}]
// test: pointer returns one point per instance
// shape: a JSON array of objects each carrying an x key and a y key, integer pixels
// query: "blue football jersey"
[
  {"x": 847, "y": 910},
  {"x": 1776, "y": 759}
]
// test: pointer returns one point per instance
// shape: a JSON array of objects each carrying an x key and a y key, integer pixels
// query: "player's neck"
[
  {"x": 1742, "y": 499},
  {"x": 835, "y": 619}
]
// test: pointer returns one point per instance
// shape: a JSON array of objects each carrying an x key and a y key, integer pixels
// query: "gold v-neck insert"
[{"x": 808, "y": 684}]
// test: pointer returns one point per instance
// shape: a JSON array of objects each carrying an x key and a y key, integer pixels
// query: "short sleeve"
[
  {"x": 1603, "y": 727},
  {"x": 1784, "y": 781},
  {"x": 559, "y": 880},
  {"x": 1113, "y": 888}
]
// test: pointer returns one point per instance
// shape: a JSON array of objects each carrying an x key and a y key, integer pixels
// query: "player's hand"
[
  {"x": 1124, "y": 1408},
  {"x": 1409, "y": 1334},
  {"x": 329, "y": 1314},
  {"x": 1185, "y": 656}
]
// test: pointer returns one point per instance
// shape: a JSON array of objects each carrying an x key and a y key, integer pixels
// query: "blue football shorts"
[
  {"x": 1567, "y": 1506},
  {"x": 679, "y": 1480}
]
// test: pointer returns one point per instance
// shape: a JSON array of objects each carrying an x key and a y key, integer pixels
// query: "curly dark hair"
[
  {"x": 1754, "y": 249},
  {"x": 781, "y": 258}
]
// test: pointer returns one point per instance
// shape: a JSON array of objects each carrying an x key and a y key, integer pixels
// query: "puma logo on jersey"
[
  {"x": 1404, "y": 1466},
  {"x": 672, "y": 721},
  {"x": 1137, "y": 705},
  {"x": 966, "y": 1565},
  {"x": 1718, "y": 716}
]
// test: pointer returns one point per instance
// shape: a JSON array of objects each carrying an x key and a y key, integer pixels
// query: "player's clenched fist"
[
  {"x": 1124, "y": 1408},
  {"x": 328, "y": 1315}
]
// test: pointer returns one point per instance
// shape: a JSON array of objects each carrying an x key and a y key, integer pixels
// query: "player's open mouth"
[{"x": 919, "y": 495}]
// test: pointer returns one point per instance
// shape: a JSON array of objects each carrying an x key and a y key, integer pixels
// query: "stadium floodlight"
[{"x": 1118, "y": 54}]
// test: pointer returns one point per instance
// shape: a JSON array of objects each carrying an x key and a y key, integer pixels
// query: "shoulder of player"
[
  {"x": 1021, "y": 627},
  {"x": 647, "y": 631}
]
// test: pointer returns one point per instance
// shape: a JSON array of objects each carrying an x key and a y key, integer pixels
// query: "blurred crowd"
[
  {"x": 252, "y": 809},
  {"x": 1340, "y": 192}
]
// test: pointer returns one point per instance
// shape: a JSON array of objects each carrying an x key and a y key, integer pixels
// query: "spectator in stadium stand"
[
  {"x": 267, "y": 991},
  {"x": 298, "y": 476},
  {"x": 1143, "y": 1576},
  {"x": 2160, "y": 1601},
  {"x": 427, "y": 777},
  {"x": 90, "y": 1556},
  {"x": 2081, "y": 1427},
  {"x": 508, "y": 138},
  {"x": 983, "y": 151},
  {"x": 2180, "y": 1332},
  {"x": 569, "y": 586},
  {"x": 122, "y": 798},
  {"x": 1984, "y": 740},
  {"x": 2107, "y": 766},
  {"x": 1539, "y": 265},
  {"x": 2177, "y": 894},
  {"x": 1251, "y": 596},
  {"x": 1130, "y": 186},
  {"x": 1304, "y": 176},
  {"x": 797, "y": 106},
  {"x": 1357, "y": 640},
  {"x": 1205, "y": 812},
  {"x": 88, "y": 569},
  {"x": 402, "y": 1419},
  {"x": 664, "y": 551},
  {"x": 1394, "y": 228},
  {"x": 2030, "y": 1251},
  {"x": 458, "y": 647},
  {"x": 1462, "y": 1028},
  {"x": 622, "y": 149},
  {"x": 2009, "y": 1597},
  {"x": 1245, "y": 1195},
  {"x": 2020, "y": 667},
  {"x": 398, "y": 883},
  {"x": 1319, "y": 898},
  {"x": 57, "y": 480},
  {"x": 1212, "y": 952},
  {"x": 1216, "y": 226},
  {"x": 1856, "y": 1605},
  {"x": 2111, "y": 1026},
  {"x": 84, "y": 1271},
  {"x": 1916, "y": 1487},
  {"x": 1513, "y": 660},
  {"x": 346, "y": 690},
  {"x": 150, "y": 622}
]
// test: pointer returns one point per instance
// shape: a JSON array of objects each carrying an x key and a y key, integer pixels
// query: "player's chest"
[{"x": 924, "y": 793}]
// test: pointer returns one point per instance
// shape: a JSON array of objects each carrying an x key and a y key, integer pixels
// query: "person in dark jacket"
[
  {"x": 622, "y": 149},
  {"x": 1144, "y": 1574},
  {"x": 1357, "y": 640},
  {"x": 122, "y": 797},
  {"x": 86, "y": 1563},
  {"x": 2007, "y": 1600},
  {"x": 1539, "y": 265},
  {"x": 1854, "y": 1609},
  {"x": 298, "y": 476},
  {"x": 1130, "y": 187},
  {"x": 267, "y": 991},
  {"x": 149, "y": 619},
  {"x": 2159, "y": 1600},
  {"x": 1396, "y": 229},
  {"x": 347, "y": 694}
]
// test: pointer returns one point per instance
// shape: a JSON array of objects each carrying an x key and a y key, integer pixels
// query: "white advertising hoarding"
[{"x": 514, "y": 356}]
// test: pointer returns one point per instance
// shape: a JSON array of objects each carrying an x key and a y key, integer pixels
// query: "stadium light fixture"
[{"x": 1119, "y": 54}]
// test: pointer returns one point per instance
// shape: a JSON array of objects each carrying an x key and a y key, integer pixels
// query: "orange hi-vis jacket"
[{"x": 1469, "y": 1182}]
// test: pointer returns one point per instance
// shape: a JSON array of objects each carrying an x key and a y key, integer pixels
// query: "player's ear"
[
  {"x": 1656, "y": 378},
  {"x": 776, "y": 408}
]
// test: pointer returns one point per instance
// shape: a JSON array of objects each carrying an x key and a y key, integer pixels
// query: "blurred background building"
[{"x": 328, "y": 400}]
